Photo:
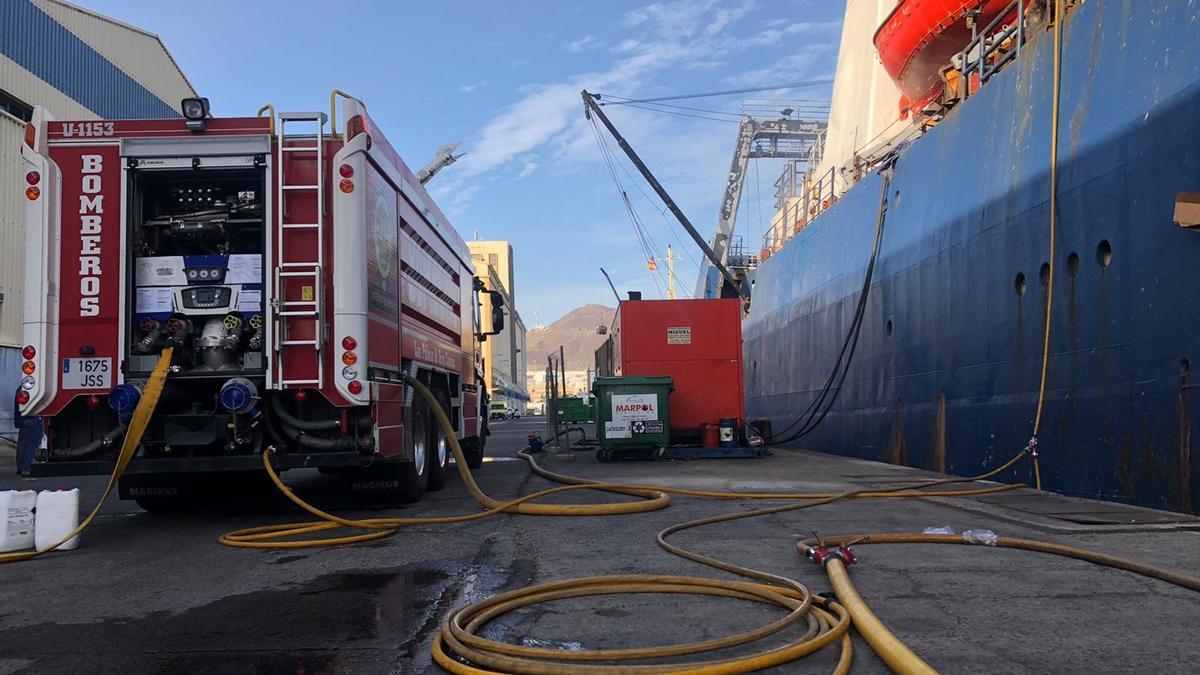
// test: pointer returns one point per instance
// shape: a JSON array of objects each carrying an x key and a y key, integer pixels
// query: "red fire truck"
[{"x": 299, "y": 274}]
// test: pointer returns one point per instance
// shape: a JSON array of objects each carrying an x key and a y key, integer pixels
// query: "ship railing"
[
  {"x": 739, "y": 258},
  {"x": 980, "y": 55},
  {"x": 821, "y": 195},
  {"x": 796, "y": 212}
]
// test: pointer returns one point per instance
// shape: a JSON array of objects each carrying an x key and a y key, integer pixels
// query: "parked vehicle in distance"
[{"x": 499, "y": 410}]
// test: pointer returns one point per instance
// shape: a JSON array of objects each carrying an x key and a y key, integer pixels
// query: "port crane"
[
  {"x": 732, "y": 286},
  {"x": 758, "y": 138}
]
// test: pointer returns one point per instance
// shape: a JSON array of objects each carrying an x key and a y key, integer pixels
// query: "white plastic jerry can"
[
  {"x": 17, "y": 509},
  {"x": 57, "y": 516}
]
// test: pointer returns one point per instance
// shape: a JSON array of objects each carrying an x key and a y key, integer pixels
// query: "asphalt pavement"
[{"x": 151, "y": 593}]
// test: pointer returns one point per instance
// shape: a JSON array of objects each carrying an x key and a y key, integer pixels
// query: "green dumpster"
[
  {"x": 632, "y": 413},
  {"x": 571, "y": 410}
]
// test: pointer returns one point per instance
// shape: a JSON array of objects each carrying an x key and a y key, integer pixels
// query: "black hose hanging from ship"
[{"x": 820, "y": 406}]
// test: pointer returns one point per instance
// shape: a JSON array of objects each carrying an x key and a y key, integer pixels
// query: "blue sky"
[{"x": 504, "y": 79}]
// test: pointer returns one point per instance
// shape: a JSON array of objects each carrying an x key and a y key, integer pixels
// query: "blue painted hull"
[{"x": 954, "y": 385}]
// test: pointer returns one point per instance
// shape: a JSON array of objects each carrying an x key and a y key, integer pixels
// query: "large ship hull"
[{"x": 947, "y": 367}]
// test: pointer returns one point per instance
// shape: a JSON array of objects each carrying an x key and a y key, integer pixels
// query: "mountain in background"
[{"x": 576, "y": 332}]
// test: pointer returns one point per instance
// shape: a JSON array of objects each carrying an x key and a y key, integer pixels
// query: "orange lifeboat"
[{"x": 920, "y": 37}]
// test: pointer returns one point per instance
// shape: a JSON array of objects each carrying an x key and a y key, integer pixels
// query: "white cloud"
[
  {"x": 453, "y": 194},
  {"x": 585, "y": 42},
  {"x": 671, "y": 34},
  {"x": 468, "y": 88},
  {"x": 801, "y": 65},
  {"x": 662, "y": 37},
  {"x": 776, "y": 32}
]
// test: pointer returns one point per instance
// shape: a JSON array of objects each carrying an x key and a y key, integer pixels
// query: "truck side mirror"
[{"x": 497, "y": 312}]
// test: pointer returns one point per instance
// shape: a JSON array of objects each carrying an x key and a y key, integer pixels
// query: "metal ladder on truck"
[{"x": 299, "y": 255}]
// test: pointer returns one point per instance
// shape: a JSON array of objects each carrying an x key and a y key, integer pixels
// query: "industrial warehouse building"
[{"x": 79, "y": 65}]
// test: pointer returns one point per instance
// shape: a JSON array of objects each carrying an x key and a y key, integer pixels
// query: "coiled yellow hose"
[{"x": 459, "y": 649}]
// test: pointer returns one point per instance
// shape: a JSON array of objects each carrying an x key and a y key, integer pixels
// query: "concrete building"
[
  {"x": 504, "y": 354},
  {"x": 79, "y": 65},
  {"x": 498, "y": 255}
]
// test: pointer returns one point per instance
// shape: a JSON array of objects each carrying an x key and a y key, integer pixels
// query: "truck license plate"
[{"x": 87, "y": 374}]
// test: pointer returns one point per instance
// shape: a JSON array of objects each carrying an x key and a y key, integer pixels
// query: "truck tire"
[
  {"x": 472, "y": 449},
  {"x": 439, "y": 450},
  {"x": 414, "y": 475}
]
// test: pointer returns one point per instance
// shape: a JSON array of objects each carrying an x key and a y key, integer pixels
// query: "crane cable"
[{"x": 643, "y": 235}]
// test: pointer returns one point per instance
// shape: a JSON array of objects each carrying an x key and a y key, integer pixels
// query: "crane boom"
[{"x": 590, "y": 108}]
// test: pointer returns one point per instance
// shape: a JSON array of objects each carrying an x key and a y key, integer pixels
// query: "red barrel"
[{"x": 710, "y": 435}]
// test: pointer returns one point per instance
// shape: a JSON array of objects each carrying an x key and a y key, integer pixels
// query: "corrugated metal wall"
[
  {"x": 12, "y": 229},
  {"x": 79, "y": 66},
  {"x": 87, "y": 59},
  {"x": 139, "y": 54},
  {"x": 29, "y": 88}
]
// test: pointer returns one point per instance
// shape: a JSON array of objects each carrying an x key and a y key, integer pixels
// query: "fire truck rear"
[{"x": 299, "y": 275}]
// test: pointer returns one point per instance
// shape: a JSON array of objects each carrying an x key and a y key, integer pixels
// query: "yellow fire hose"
[
  {"x": 887, "y": 646},
  {"x": 1116, "y": 562},
  {"x": 459, "y": 649},
  {"x": 133, "y": 436},
  {"x": 458, "y": 643}
]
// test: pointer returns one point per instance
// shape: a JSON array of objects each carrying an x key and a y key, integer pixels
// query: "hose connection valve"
[
  {"x": 535, "y": 442},
  {"x": 845, "y": 555},
  {"x": 1032, "y": 447},
  {"x": 822, "y": 554},
  {"x": 818, "y": 554}
]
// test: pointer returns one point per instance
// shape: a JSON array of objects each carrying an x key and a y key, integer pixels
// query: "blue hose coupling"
[
  {"x": 124, "y": 397},
  {"x": 238, "y": 395}
]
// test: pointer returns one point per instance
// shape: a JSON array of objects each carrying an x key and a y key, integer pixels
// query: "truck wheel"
[
  {"x": 439, "y": 450},
  {"x": 414, "y": 475},
  {"x": 472, "y": 449}
]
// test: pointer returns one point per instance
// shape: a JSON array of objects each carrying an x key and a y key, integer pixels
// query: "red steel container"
[{"x": 698, "y": 343}]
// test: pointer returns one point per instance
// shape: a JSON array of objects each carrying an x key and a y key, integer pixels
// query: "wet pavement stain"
[{"x": 350, "y": 622}]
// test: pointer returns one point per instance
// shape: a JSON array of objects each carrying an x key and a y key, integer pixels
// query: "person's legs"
[{"x": 28, "y": 439}]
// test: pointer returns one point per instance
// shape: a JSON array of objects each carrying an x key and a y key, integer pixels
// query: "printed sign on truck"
[{"x": 630, "y": 407}]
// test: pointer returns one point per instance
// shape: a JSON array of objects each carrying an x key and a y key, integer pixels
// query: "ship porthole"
[
  {"x": 1044, "y": 274},
  {"x": 1019, "y": 284},
  {"x": 889, "y": 327},
  {"x": 896, "y": 198},
  {"x": 1073, "y": 265},
  {"x": 1104, "y": 253}
]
